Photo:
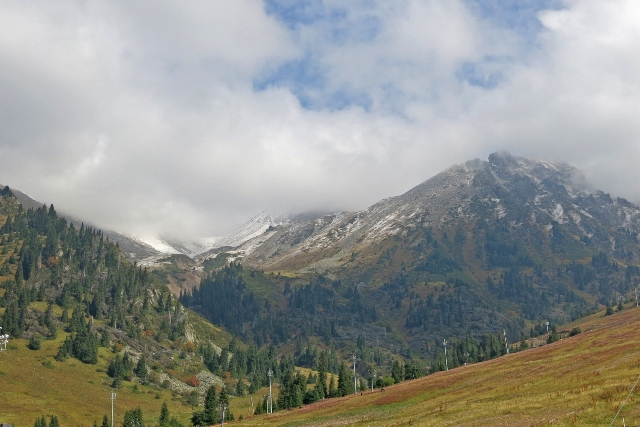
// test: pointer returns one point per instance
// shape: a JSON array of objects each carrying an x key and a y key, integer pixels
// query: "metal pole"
[
  {"x": 270, "y": 410},
  {"x": 373, "y": 380},
  {"x": 446, "y": 362},
  {"x": 223, "y": 408},
  {"x": 505, "y": 340},
  {"x": 113, "y": 397},
  {"x": 355, "y": 388}
]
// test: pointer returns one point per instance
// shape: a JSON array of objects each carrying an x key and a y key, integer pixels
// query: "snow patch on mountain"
[
  {"x": 251, "y": 229},
  {"x": 159, "y": 245}
]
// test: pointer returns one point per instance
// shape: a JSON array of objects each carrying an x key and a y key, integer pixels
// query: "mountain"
[
  {"x": 542, "y": 200},
  {"x": 255, "y": 228},
  {"x": 503, "y": 244}
]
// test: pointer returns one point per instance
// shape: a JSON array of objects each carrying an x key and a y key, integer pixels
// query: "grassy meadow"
[{"x": 35, "y": 384}]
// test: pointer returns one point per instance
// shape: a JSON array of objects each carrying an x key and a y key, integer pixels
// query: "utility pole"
[
  {"x": 547, "y": 323},
  {"x": 373, "y": 380},
  {"x": 113, "y": 398},
  {"x": 506, "y": 344},
  {"x": 446, "y": 362},
  {"x": 355, "y": 388},
  {"x": 270, "y": 409},
  {"x": 223, "y": 408}
]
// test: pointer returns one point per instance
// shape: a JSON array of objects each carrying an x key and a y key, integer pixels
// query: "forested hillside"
[{"x": 73, "y": 288}]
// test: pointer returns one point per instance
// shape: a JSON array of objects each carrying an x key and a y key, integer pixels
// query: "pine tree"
[
  {"x": 209, "y": 415},
  {"x": 40, "y": 422},
  {"x": 141, "y": 368},
  {"x": 333, "y": 392},
  {"x": 133, "y": 418},
  {"x": 53, "y": 422},
  {"x": 397, "y": 371},
  {"x": 164, "y": 415},
  {"x": 345, "y": 380},
  {"x": 321, "y": 384}
]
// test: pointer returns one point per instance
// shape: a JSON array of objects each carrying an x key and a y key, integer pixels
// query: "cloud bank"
[{"x": 184, "y": 119}]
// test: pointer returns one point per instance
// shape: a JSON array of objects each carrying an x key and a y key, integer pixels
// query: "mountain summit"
[{"x": 540, "y": 201}]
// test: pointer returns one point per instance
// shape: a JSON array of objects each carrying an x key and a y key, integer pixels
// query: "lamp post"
[
  {"x": 113, "y": 398},
  {"x": 355, "y": 388},
  {"x": 270, "y": 407},
  {"x": 223, "y": 408},
  {"x": 446, "y": 362}
]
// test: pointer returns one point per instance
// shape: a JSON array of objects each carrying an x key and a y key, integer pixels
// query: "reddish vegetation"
[{"x": 193, "y": 381}]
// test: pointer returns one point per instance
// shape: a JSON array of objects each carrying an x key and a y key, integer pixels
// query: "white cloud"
[{"x": 143, "y": 116}]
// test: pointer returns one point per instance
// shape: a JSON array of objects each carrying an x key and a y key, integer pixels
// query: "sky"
[{"x": 185, "y": 119}]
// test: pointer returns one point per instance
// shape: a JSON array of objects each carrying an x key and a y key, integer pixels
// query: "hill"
[
  {"x": 582, "y": 380},
  {"x": 84, "y": 321}
]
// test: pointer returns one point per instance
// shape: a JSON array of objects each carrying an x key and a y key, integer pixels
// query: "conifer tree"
[
  {"x": 345, "y": 381},
  {"x": 133, "y": 418},
  {"x": 209, "y": 415},
  {"x": 53, "y": 422},
  {"x": 333, "y": 391},
  {"x": 141, "y": 368},
  {"x": 40, "y": 422},
  {"x": 164, "y": 415},
  {"x": 321, "y": 383}
]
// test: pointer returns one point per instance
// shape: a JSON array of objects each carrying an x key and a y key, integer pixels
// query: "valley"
[{"x": 483, "y": 257}]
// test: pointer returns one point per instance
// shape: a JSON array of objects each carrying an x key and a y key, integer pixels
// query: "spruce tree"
[
  {"x": 321, "y": 383},
  {"x": 333, "y": 392},
  {"x": 164, "y": 415},
  {"x": 133, "y": 418},
  {"x": 345, "y": 380},
  {"x": 40, "y": 422},
  {"x": 141, "y": 368},
  {"x": 53, "y": 422}
]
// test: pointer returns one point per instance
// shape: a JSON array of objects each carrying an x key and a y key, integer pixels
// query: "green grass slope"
[
  {"x": 577, "y": 381},
  {"x": 35, "y": 384}
]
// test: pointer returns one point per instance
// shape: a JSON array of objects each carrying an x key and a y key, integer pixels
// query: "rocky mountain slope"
[
  {"x": 543, "y": 199},
  {"x": 500, "y": 244}
]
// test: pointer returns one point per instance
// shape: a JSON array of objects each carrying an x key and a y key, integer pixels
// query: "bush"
[
  {"x": 387, "y": 381},
  {"x": 609, "y": 311},
  {"x": 34, "y": 343},
  {"x": 575, "y": 331}
]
